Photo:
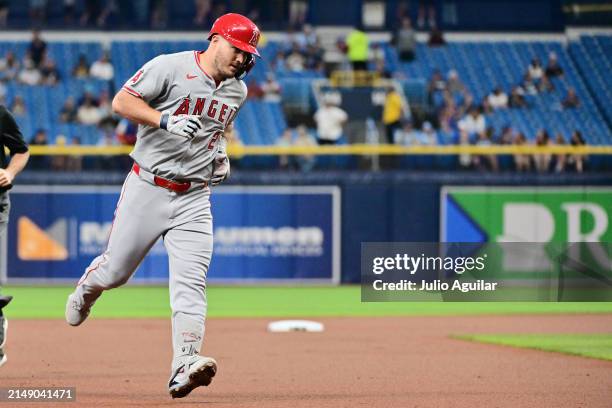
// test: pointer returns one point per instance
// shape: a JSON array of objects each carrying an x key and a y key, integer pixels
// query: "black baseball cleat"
[
  {"x": 3, "y": 329},
  {"x": 5, "y": 300}
]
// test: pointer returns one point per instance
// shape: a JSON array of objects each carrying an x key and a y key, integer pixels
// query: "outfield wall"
[{"x": 324, "y": 216}]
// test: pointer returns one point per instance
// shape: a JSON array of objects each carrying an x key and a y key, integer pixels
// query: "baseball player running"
[{"x": 184, "y": 103}]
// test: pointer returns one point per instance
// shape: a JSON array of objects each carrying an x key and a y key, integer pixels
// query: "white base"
[{"x": 295, "y": 325}]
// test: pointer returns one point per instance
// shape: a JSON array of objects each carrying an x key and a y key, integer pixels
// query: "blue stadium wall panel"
[{"x": 401, "y": 206}]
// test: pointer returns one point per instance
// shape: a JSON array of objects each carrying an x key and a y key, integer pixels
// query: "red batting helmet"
[{"x": 238, "y": 30}]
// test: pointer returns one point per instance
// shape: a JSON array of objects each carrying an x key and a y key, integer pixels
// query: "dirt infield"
[{"x": 368, "y": 362}]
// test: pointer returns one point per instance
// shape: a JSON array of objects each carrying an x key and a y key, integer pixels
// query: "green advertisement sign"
[{"x": 526, "y": 214}]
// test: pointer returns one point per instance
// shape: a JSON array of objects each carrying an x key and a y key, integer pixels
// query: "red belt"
[{"x": 169, "y": 184}]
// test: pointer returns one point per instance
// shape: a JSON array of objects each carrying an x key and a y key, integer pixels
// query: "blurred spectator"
[
  {"x": 402, "y": 10},
  {"x": 474, "y": 122},
  {"x": 271, "y": 89},
  {"x": 68, "y": 113},
  {"x": 314, "y": 58},
  {"x": 278, "y": 62},
  {"x": 577, "y": 160},
  {"x": 498, "y": 99},
  {"x": 202, "y": 14},
  {"x": 111, "y": 8},
  {"x": 571, "y": 99},
  {"x": 553, "y": 69},
  {"x": 506, "y": 136},
  {"x": 81, "y": 69},
  {"x": 454, "y": 84},
  {"x": 88, "y": 94},
  {"x": 381, "y": 70},
  {"x": 88, "y": 113},
  {"x": 358, "y": 45},
  {"x": 126, "y": 131},
  {"x": 448, "y": 114},
  {"x": 37, "y": 162},
  {"x": 69, "y": 11},
  {"x": 436, "y": 84},
  {"x": 159, "y": 14},
  {"x": 560, "y": 159},
  {"x": 29, "y": 74},
  {"x": 428, "y": 135},
  {"x": 285, "y": 140},
  {"x": 529, "y": 87},
  {"x": 545, "y": 84},
  {"x": 535, "y": 70},
  {"x": 4, "y": 9},
  {"x": 305, "y": 162},
  {"x": 49, "y": 72},
  {"x": 427, "y": 8},
  {"x": 107, "y": 139},
  {"x": 376, "y": 53},
  {"x": 59, "y": 162},
  {"x": 465, "y": 159},
  {"x": 107, "y": 122},
  {"x": 464, "y": 106},
  {"x": 295, "y": 60},
  {"x": 90, "y": 12},
  {"x": 254, "y": 91},
  {"x": 542, "y": 161},
  {"x": 392, "y": 113},
  {"x": 9, "y": 67},
  {"x": 521, "y": 161},
  {"x": 74, "y": 162},
  {"x": 405, "y": 40},
  {"x": 308, "y": 46},
  {"x": 310, "y": 36},
  {"x": 298, "y": 10},
  {"x": 517, "y": 97},
  {"x": 406, "y": 136},
  {"x": 102, "y": 68},
  {"x": 329, "y": 120},
  {"x": 489, "y": 161},
  {"x": 38, "y": 12},
  {"x": 2, "y": 94},
  {"x": 436, "y": 38},
  {"x": 37, "y": 49},
  {"x": 18, "y": 107},
  {"x": 296, "y": 37}
]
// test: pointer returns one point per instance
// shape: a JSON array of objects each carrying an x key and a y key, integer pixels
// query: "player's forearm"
[
  {"x": 17, "y": 163},
  {"x": 135, "y": 109}
]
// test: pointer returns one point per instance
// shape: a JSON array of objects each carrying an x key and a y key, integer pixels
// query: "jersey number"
[{"x": 214, "y": 139}]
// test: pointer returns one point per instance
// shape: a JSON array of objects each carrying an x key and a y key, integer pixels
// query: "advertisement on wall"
[
  {"x": 526, "y": 214},
  {"x": 260, "y": 233},
  {"x": 559, "y": 232}
]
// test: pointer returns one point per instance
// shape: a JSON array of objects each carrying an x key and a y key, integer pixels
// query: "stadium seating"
[
  {"x": 481, "y": 66},
  {"x": 484, "y": 65},
  {"x": 593, "y": 56}
]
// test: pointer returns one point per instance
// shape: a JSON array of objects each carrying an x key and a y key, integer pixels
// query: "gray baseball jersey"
[{"x": 177, "y": 83}]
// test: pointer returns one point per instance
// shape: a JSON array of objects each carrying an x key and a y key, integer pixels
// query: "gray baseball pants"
[{"x": 144, "y": 213}]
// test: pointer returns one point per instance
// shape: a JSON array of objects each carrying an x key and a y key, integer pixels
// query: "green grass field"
[
  {"x": 586, "y": 345},
  {"x": 283, "y": 302}
]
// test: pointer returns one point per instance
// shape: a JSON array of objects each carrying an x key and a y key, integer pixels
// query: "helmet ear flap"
[{"x": 246, "y": 67}]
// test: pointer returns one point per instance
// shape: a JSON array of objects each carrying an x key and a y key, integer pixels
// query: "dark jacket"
[{"x": 10, "y": 137}]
